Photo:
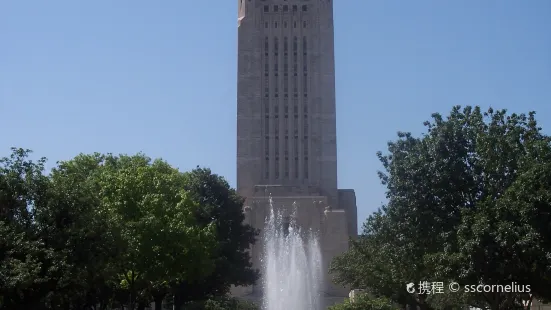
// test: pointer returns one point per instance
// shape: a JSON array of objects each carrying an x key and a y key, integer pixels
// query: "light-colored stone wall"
[
  {"x": 282, "y": 97},
  {"x": 311, "y": 213},
  {"x": 347, "y": 202},
  {"x": 286, "y": 125},
  {"x": 334, "y": 242}
]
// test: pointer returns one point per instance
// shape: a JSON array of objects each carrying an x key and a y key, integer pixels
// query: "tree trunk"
[
  {"x": 131, "y": 303},
  {"x": 178, "y": 302},
  {"x": 141, "y": 305},
  {"x": 158, "y": 300}
]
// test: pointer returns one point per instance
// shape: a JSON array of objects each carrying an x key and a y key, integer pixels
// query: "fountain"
[{"x": 292, "y": 264}]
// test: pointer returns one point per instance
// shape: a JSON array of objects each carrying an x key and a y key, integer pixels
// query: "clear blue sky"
[{"x": 160, "y": 76}]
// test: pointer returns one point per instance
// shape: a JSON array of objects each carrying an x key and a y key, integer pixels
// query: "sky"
[{"x": 159, "y": 77}]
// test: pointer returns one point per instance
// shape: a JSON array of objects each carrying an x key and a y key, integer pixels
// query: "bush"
[
  {"x": 366, "y": 302},
  {"x": 221, "y": 304}
]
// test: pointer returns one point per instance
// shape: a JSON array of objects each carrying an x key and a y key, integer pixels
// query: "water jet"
[{"x": 291, "y": 264}]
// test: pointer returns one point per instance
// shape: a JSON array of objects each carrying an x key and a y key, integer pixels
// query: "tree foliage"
[
  {"x": 105, "y": 230},
  {"x": 222, "y": 208},
  {"x": 366, "y": 302},
  {"x": 221, "y": 303},
  {"x": 467, "y": 201}
]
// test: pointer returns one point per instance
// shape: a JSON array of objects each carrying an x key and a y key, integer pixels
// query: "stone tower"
[{"x": 286, "y": 120}]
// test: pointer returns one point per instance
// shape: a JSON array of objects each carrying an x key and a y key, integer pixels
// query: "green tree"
[
  {"x": 509, "y": 241},
  {"x": 116, "y": 230},
  {"x": 75, "y": 225},
  {"x": 221, "y": 303},
  {"x": 152, "y": 218},
  {"x": 377, "y": 261},
  {"x": 56, "y": 249},
  {"x": 442, "y": 183},
  {"x": 220, "y": 205},
  {"x": 25, "y": 260},
  {"x": 366, "y": 302}
]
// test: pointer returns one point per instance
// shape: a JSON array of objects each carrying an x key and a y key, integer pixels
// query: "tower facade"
[{"x": 286, "y": 121}]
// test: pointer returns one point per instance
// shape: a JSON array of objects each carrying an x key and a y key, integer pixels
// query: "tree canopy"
[
  {"x": 468, "y": 201},
  {"x": 104, "y": 231},
  {"x": 222, "y": 208}
]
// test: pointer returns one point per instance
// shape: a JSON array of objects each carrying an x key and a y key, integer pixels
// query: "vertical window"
[
  {"x": 276, "y": 121},
  {"x": 285, "y": 63},
  {"x": 304, "y": 56},
  {"x": 295, "y": 117},
  {"x": 267, "y": 154},
  {"x": 267, "y": 168},
  {"x": 276, "y": 51},
  {"x": 266, "y": 123},
  {"x": 277, "y": 168},
  {"x": 306, "y": 167},
  {"x": 296, "y": 168},
  {"x": 286, "y": 167},
  {"x": 295, "y": 60},
  {"x": 286, "y": 122},
  {"x": 305, "y": 122}
]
